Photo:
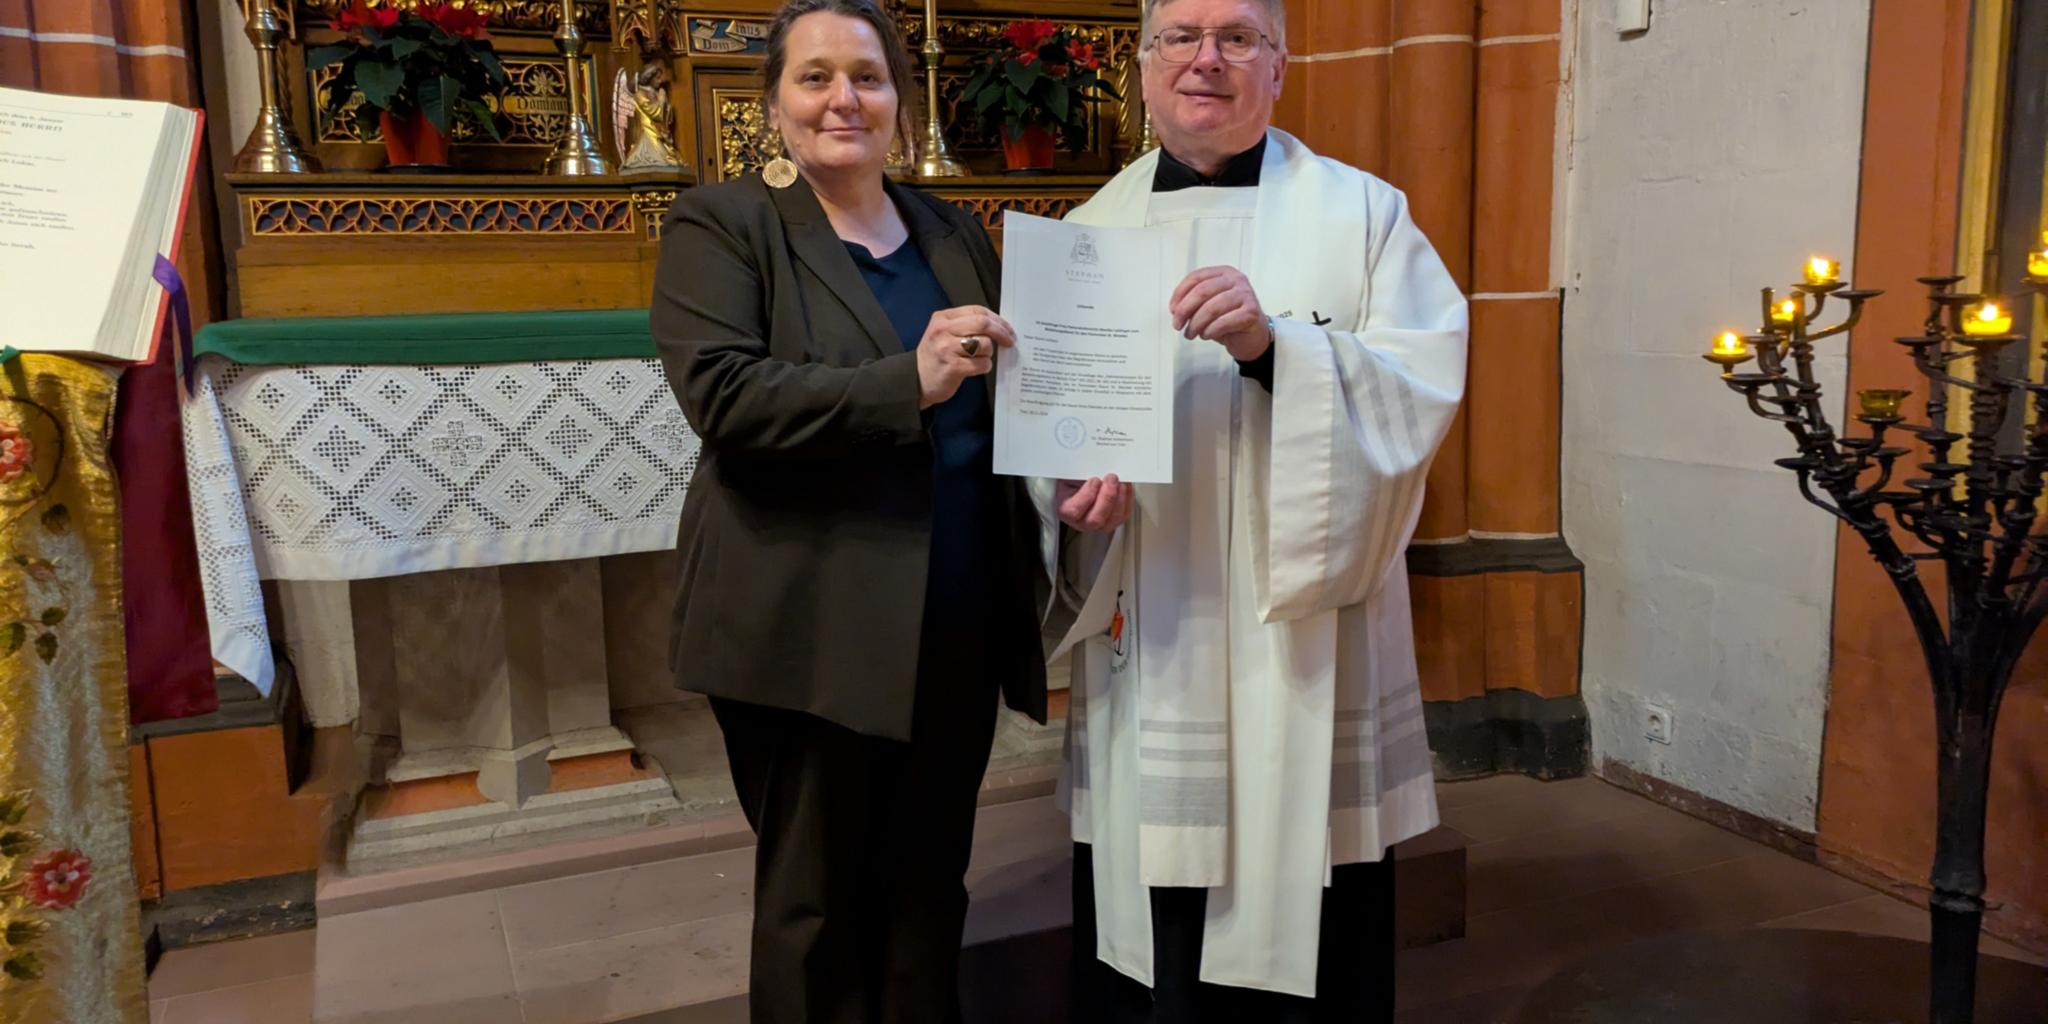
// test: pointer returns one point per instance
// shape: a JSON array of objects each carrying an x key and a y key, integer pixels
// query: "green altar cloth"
[{"x": 440, "y": 338}]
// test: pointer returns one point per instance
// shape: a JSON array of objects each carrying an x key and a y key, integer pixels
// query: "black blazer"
[{"x": 806, "y": 533}]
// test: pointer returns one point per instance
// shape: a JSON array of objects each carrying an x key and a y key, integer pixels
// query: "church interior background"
[{"x": 396, "y": 554}]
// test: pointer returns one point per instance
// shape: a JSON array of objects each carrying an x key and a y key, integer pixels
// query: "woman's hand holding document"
[{"x": 1087, "y": 391}]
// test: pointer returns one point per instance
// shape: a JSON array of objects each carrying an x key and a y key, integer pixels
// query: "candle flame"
[
  {"x": 1729, "y": 342},
  {"x": 1821, "y": 270},
  {"x": 1988, "y": 319}
]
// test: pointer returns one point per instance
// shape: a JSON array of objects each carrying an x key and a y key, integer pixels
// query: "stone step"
[{"x": 668, "y": 935}]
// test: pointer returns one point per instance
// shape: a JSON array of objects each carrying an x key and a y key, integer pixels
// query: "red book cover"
[{"x": 163, "y": 302}]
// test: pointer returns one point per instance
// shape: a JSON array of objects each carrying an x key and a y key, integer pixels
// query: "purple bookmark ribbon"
[{"x": 166, "y": 274}]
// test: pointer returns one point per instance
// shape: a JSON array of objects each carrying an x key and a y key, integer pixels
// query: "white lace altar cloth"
[{"x": 358, "y": 472}]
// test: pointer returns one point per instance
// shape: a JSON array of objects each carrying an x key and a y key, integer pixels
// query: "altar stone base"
[{"x": 487, "y": 698}]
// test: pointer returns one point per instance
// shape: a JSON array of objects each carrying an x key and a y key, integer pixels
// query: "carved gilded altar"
[
  {"x": 497, "y": 234},
  {"x": 713, "y": 54}
]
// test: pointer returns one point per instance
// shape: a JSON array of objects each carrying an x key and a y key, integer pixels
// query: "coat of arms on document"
[{"x": 1084, "y": 250}]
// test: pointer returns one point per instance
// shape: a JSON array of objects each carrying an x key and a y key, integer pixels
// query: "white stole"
[{"x": 1330, "y": 479}]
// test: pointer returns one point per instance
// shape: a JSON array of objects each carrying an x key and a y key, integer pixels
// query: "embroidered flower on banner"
[
  {"x": 57, "y": 879},
  {"x": 17, "y": 452}
]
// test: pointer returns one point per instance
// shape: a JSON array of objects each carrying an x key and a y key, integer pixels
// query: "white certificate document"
[{"x": 1088, "y": 389}]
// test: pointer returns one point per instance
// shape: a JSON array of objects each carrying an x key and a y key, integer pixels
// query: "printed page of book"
[{"x": 75, "y": 178}]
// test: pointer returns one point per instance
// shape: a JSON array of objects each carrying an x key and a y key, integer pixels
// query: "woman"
[{"x": 856, "y": 584}]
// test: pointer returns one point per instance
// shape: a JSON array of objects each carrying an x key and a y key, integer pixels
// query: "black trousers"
[
  {"x": 1354, "y": 965},
  {"x": 858, "y": 896}
]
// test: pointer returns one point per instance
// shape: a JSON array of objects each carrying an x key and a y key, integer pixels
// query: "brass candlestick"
[
  {"x": 934, "y": 159},
  {"x": 577, "y": 151},
  {"x": 272, "y": 147},
  {"x": 1147, "y": 142}
]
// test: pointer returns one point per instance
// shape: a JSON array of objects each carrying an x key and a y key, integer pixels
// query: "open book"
[{"x": 92, "y": 192}]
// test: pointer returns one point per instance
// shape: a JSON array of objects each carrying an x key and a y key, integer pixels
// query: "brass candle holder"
[
  {"x": 934, "y": 158},
  {"x": 577, "y": 152},
  {"x": 1147, "y": 141},
  {"x": 272, "y": 147}
]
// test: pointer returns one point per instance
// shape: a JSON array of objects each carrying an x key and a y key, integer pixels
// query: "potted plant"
[
  {"x": 416, "y": 69},
  {"x": 1037, "y": 91}
]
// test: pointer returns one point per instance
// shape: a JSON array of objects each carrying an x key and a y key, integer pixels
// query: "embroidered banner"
[{"x": 72, "y": 948}]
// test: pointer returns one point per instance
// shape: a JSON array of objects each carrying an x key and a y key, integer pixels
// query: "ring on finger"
[{"x": 971, "y": 346}]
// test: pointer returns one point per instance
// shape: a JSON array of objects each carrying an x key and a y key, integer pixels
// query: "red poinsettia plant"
[
  {"x": 1044, "y": 78},
  {"x": 431, "y": 60}
]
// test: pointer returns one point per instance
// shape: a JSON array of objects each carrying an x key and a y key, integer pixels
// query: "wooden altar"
[{"x": 503, "y": 724}]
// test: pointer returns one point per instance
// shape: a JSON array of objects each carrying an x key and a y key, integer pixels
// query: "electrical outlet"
[
  {"x": 1657, "y": 723},
  {"x": 1631, "y": 16}
]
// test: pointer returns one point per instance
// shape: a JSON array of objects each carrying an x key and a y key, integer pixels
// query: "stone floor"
[
  {"x": 683, "y": 738},
  {"x": 1557, "y": 871}
]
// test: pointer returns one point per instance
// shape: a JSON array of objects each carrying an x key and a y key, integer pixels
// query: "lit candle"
[
  {"x": 2037, "y": 264},
  {"x": 1821, "y": 271},
  {"x": 1729, "y": 349},
  {"x": 1985, "y": 320},
  {"x": 1785, "y": 312},
  {"x": 1881, "y": 403}
]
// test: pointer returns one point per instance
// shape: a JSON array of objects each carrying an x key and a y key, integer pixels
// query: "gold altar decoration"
[
  {"x": 374, "y": 214},
  {"x": 1147, "y": 141},
  {"x": 70, "y": 929},
  {"x": 534, "y": 110},
  {"x": 742, "y": 142},
  {"x": 495, "y": 234},
  {"x": 592, "y": 16},
  {"x": 721, "y": 49},
  {"x": 649, "y": 26},
  {"x": 728, "y": 37},
  {"x": 577, "y": 152},
  {"x": 1116, "y": 41},
  {"x": 649, "y": 206},
  {"x": 272, "y": 146},
  {"x": 643, "y": 120},
  {"x": 934, "y": 159},
  {"x": 988, "y": 208}
]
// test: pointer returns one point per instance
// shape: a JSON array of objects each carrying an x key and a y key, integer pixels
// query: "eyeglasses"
[{"x": 1239, "y": 44}]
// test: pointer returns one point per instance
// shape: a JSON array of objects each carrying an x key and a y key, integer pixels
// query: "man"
[{"x": 1246, "y": 737}]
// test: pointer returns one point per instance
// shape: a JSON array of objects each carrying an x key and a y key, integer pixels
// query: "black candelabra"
[{"x": 1975, "y": 511}]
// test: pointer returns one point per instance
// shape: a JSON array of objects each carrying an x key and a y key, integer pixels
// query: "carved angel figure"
[{"x": 643, "y": 121}]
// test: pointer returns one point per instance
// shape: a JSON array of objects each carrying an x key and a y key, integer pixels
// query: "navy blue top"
[{"x": 963, "y": 441}]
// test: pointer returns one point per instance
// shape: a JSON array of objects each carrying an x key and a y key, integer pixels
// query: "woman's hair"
[{"x": 895, "y": 52}]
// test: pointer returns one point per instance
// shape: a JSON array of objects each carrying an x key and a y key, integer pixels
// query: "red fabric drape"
[{"x": 141, "y": 49}]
